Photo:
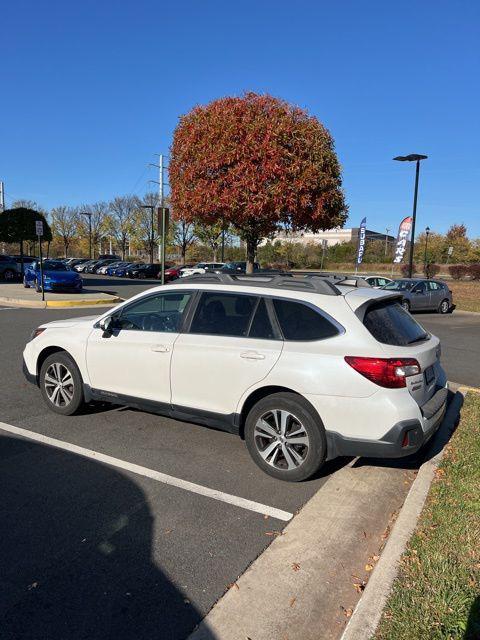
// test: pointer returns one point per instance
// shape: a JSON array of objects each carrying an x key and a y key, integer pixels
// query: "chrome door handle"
[
  {"x": 252, "y": 355},
  {"x": 160, "y": 348}
]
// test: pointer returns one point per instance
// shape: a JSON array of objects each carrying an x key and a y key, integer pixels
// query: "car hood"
[
  {"x": 61, "y": 275},
  {"x": 70, "y": 322}
]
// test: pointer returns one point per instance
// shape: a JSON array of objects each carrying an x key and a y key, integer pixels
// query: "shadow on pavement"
[
  {"x": 112, "y": 284},
  {"x": 76, "y": 553},
  {"x": 472, "y": 632}
]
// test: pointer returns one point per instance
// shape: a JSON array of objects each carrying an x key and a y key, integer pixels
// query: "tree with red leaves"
[{"x": 258, "y": 164}]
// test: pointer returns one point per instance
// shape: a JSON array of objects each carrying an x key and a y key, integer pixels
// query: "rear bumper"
[{"x": 403, "y": 439}]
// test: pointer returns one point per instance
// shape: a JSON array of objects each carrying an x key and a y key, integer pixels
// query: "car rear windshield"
[{"x": 389, "y": 323}]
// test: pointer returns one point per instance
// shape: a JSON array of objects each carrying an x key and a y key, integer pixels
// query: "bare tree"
[
  {"x": 100, "y": 220},
  {"x": 122, "y": 219},
  {"x": 184, "y": 236},
  {"x": 64, "y": 223},
  {"x": 210, "y": 235}
]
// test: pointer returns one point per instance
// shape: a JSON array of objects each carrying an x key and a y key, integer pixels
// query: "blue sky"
[{"x": 92, "y": 89}]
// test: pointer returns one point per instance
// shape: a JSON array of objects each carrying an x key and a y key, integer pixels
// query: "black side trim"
[
  {"x": 29, "y": 376},
  {"x": 225, "y": 422},
  {"x": 390, "y": 446}
]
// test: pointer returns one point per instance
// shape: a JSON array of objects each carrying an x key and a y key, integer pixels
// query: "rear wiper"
[{"x": 419, "y": 339}]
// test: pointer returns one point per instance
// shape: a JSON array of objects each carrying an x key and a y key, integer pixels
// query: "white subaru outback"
[{"x": 305, "y": 370}]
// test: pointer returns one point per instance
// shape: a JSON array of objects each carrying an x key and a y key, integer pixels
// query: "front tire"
[
  {"x": 444, "y": 307},
  {"x": 285, "y": 437},
  {"x": 61, "y": 384},
  {"x": 406, "y": 305}
]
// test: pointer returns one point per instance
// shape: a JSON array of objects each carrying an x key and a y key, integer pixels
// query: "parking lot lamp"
[
  {"x": 87, "y": 213},
  {"x": 413, "y": 157},
  {"x": 427, "y": 231}
]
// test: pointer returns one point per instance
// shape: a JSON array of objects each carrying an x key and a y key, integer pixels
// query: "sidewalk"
[{"x": 15, "y": 294}]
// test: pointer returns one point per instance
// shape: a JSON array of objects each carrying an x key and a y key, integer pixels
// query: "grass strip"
[{"x": 436, "y": 595}]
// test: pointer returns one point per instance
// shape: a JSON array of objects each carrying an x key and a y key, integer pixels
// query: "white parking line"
[{"x": 250, "y": 505}]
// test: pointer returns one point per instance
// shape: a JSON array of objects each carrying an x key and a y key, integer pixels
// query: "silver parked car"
[{"x": 421, "y": 294}]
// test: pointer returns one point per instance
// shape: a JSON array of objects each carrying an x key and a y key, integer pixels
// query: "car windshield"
[
  {"x": 49, "y": 265},
  {"x": 231, "y": 266},
  {"x": 400, "y": 285}
]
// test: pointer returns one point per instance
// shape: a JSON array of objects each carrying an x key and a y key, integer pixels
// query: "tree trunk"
[
  {"x": 251, "y": 249},
  {"x": 215, "y": 255},
  {"x": 66, "y": 248}
]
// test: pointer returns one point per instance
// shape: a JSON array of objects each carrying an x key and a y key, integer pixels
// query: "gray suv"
[
  {"x": 421, "y": 294},
  {"x": 8, "y": 268}
]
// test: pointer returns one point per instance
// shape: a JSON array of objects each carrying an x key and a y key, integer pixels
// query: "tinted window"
[
  {"x": 389, "y": 323},
  {"x": 156, "y": 313},
  {"x": 261, "y": 326},
  {"x": 434, "y": 286},
  {"x": 223, "y": 314},
  {"x": 300, "y": 322}
]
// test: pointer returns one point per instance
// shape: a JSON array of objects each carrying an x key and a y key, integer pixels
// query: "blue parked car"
[
  {"x": 111, "y": 270},
  {"x": 56, "y": 277},
  {"x": 122, "y": 271}
]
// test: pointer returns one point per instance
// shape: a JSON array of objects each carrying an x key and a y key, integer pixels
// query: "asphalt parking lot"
[{"x": 79, "y": 535}]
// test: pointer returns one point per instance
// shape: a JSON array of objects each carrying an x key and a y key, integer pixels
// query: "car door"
[
  {"x": 231, "y": 344},
  {"x": 420, "y": 298},
  {"x": 134, "y": 360},
  {"x": 437, "y": 294}
]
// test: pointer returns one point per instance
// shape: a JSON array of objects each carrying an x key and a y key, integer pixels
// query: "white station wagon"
[{"x": 304, "y": 370}]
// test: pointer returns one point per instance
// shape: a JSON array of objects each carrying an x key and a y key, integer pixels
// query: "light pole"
[
  {"x": 386, "y": 239},
  {"x": 413, "y": 157},
  {"x": 87, "y": 213},
  {"x": 152, "y": 208},
  {"x": 427, "y": 231}
]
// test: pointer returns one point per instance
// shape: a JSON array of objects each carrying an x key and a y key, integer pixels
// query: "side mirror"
[{"x": 106, "y": 325}]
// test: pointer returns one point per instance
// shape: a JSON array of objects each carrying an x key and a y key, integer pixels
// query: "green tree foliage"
[{"x": 18, "y": 225}]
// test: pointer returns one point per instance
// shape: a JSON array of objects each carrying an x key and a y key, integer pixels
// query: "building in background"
[{"x": 332, "y": 236}]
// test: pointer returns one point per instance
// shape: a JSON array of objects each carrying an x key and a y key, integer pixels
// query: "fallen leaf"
[
  {"x": 368, "y": 567},
  {"x": 296, "y": 566},
  {"x": 233, "y": 584},
  {"x": 273, "y": 533},
  {"x": 292, "y": 601}
]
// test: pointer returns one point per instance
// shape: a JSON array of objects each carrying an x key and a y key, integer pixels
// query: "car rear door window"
[
  {"x": 299, "y": 321},
  {"x": 223, "y": 314},
  {"x": 390, "y": 324}
]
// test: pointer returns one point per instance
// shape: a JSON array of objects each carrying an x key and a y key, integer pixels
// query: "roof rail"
[
  {"x": 346, "y": 281},
  {"x": 277, "y": 281}
]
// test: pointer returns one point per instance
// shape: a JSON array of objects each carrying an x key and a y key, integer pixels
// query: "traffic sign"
[{"x": 39, "y": 227}]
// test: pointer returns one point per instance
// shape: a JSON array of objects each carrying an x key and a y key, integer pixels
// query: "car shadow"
[
  {"x": 111, "y": 283},
  {"x": 76, "y": 556},
  {"x": 472, "y": 632},
  {"x": 432, "y": 448}
]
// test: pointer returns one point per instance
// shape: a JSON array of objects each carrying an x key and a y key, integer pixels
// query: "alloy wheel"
[
  {"x": 281, "y": 439},
  {"x": 59, "y": 385},
  {"x": 444, "y": 307}
]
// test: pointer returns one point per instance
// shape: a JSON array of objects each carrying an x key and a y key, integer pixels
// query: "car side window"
[
  {"x": 381, "y": 282},
  {"x": 261, "y": 326},
  {"x": 299, "y": 321},
  {"x": 162, "y": 312},
  {"x": 420, "y": 288},
  {"x": 434, "y": 286},
  {"x": 223, "y": 314}
]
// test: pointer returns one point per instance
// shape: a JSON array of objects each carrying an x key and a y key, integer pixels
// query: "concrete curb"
[
  {"x": 59, "y": 304},
  {"x": 367, "y": 613}
]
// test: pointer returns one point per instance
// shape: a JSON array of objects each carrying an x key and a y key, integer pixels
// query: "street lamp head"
[
  {"x": 427, "y": 230},
  {"x": 413, "y": 157},
  {"x": 85, "y": 213}
]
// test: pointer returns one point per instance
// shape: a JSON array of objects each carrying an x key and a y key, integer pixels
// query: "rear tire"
[
  {"x": 61, "y": 384},
  {"x": 444, "y": 307},
  {"x": 285, "y": 437}
]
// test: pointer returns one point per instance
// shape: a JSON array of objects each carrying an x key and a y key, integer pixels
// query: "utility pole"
[
  {"x": 386, "y": 240},
  {"x": 2, "y": 196},
  {"x": 163, "y": 220}
]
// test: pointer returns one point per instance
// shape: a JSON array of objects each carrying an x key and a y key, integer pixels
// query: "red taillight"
[{"x": 386, "y": 372}]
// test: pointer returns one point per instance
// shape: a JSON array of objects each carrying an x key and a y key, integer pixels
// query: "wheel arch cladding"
[{"x": 258, "y": 395}]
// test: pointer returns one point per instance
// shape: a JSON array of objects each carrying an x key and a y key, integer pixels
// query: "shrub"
[
  {"x": 404, "y": 269},
  {"x": 474, "y": 271},
  {"x": 431, "y": 269},
  {"x": 458, "y": 271}
]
